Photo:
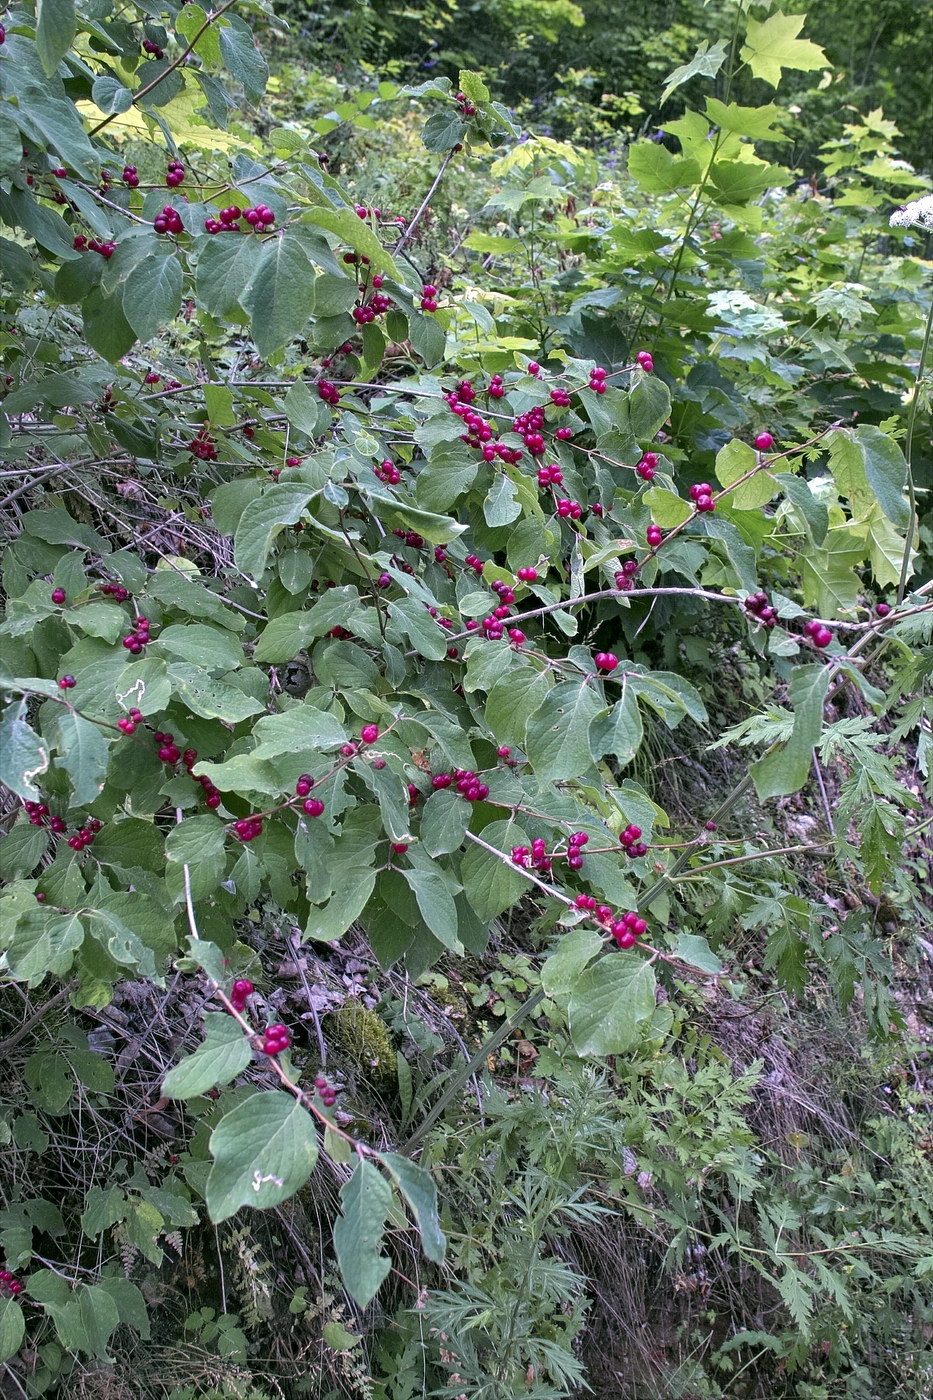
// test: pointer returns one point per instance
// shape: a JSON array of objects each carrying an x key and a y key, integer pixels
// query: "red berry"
[
  {"x": 369, "y": 733},
  {"x": 503, "y": 751},
  {"x": 67, "y": 682},
  {"x": 58, "y": 595},
  {"x": 654, "y": 535},
  {"x": 313, "y": 806},
  {"x": 882, "y": 609},
  {"x": 764, "y": 442},
  {"x": 606, "y": 661},
  {"x": 528, "y": 575},
  {"x": 303, "y": 785}
]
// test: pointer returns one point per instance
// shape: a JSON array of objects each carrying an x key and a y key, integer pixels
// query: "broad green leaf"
[
  {"x": 736, "y": 460},
  {"x": 428, "y": 338},
  {"x": 561, "y": 971},
  {"x": 755, "y": 122},
  {"x": 869, "y": 467},
  {"x": 420, "y": 1193},
  {"x": 788, "y": 766},
  {"x": 611, "y": 1004},
  {"x": 264, "y": 1150},
  {"x": 224, "y": 1054},
  {"x": 195, "y": 839},
  {"x": 654, "y": 168},
  {"x": 210, "y": 698},
  {"x": 436, "y": 905},
  {"x": 23, "y": 755},
  {"x": 414, "y": 620},
  {"x": 303, "y": 729},
  {"x": 55, "y": 29},
  {"x": 558, "y": 735},
  {"x": 491, "y": 884},
  {"x": 225, "y": 271},
  {"x": 649, "y": 405},
  {"x": 620, "y": 732},
  {"x": 152, "y": 294},
  {"x": 667, "y": 509},
  {"x": 277, "y": 507},
  {"x": 772, "y": 45},
  {"x": 42, "y": 942},
  {"x": 280, "y": 296},
  {"x": 356, "y": 233},
  {"x": 365, "y": 1201},
  {"x": 693, "y": 949},
  {"x": 244, "y": 59},
  {"x": 444, "y": 818},
  {"x": 83, "y": 752},
  {"x": 208, "y": 646},
  {"x": 306, "y": 411}
]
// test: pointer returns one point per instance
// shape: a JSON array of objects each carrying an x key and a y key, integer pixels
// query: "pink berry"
[
  {"x": 606, "y": 661},
  {"x": 369, "y": 733},
  {"x": 764, "y": 442},
  {"x": 654, "y": 535},
  {"x": 303, "y": 785},
  {"x": 882, "y": 609},
  {"x": 66, "y": 683},
  {"x": 314, "y": 807},
  {"x": 58, "y": 595},
  {"x": 528, "y": 575}
]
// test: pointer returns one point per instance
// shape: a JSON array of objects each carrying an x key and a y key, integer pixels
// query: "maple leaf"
[{"x": 772, "y": 45}]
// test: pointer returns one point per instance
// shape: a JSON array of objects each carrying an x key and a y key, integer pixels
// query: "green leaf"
[
  {"x": 224, "y": 1054},
  {"x": 502, "y": 504},
  {"x": 693, "y": 949},
  {"x": 208, "y": 646},
  {"x": 705, "y": 63},
  {"x": 264, "y": 1150},
  {"x": 492, "y": 885},
  {"x": 244, "y": 59},
  {"x": 356, "y": 233},
  {"x": 196, "y": 839},
  {"x": 226, "y": 268},
  {"x": 558, "y": 738},
  {"x": 55, "y": 29},
  {"x": 735, "y": 460},
  {"x": 23, "y": 755},
  {"x": 869, "y": 467},
  {"x": 611, "y": 1003},
  {"x": 772, "y": 45},
  {"x": 754, "y": 122},
  {"x": 787, "y": 767},
  {"x": 277, "y": 507},
  {"x": 667, "y": 509},
  {"x": 365, "y": 1201},
  {"x": 649, "y": 406},
  {"x": 210, "y": 698},
  {"x": 280, "y": 296},
  {"x": 416, "y": 623},
  {"x": 83, "y": 752},
  {"x": 619, "y": 733},
  {"x": 436, "y": 905},
  {"x": 105, "y": 326},
  {"x": 443, "y": 130},
  {"x": 152, "y": 294},
  {"x": 428, "y": 338},
  {"x": 561, "y": 971},
  {"x": 657, "y": 171},
  {"x": 306, "y": 411},
  {"x": 110, "y": 95},
  {"x": 302, "y": 730},
  {"x": 420, "y": 1193}
]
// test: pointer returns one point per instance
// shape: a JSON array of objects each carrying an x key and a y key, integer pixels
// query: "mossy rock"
[{"x": 363, "y": 1039}]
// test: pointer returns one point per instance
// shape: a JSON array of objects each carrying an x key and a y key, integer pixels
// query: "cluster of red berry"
[
  {"x": 276, "y": 1039},
  {"x": 702, "y": 497},
  {"x": 388, "y": 472},
  {"x": 648, "y": 465},
  {"x": 758, "y": 606},
  {"x": 127, "y": 724},
  {"x": 240, "y": 993},
  {"x": 429, "y": 297},
  {"x": 106, "y": 247},
  {"x": 630, "y": 841},
  {"x": 644, "y": 361},
  {"x": 116, "y": 591},
  {"x": 130, "y": 176},
  {"x": 327, "y": 1092},
  {"x": 175, "y": 174},
  {"x": 464, "y": 105},
  {"x": 819, "y": 634},
  {"x": 598, "y": 380},
  {"x": 626, "y": 929},
  {"x": 152, "y": 47},
  {"x": 377, "y": 305},
  {"x": 328, "y": 392},
  {"x": 138, "y": 638},
  {"x": 169, "y": 221},
  {"x": 9, "y": 1285},
  {"x": 202, "y": 446},
  {"x": 67, "y": 683},
  {"x": 85, "y": 834}
]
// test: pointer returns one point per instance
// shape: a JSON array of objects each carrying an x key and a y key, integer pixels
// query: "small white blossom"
[{"x": 917, "y": 214}]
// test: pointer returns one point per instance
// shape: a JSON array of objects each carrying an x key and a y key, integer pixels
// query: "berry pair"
[{"x": 276, "y": 1039}]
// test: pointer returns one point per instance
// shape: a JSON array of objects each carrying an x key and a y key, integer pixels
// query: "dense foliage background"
[{"x": 466, "y": 721}]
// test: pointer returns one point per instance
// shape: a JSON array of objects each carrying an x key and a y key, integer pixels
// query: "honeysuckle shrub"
[{"x": 347, "y": 591}]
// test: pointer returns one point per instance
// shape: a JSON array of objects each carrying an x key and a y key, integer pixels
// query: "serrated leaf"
[
  {"x": 224, "y": 1054},
  {"x": 365, "y": 1201},
  {"x": 772, "y": 45},
  {"x": 705, "y": 63},
  {"x": 264, "y": 1150}
]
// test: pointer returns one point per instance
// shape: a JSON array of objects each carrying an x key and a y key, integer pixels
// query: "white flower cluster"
[{"x": 917, "y": 214}]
